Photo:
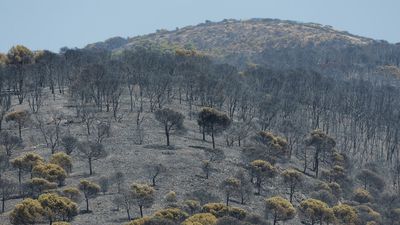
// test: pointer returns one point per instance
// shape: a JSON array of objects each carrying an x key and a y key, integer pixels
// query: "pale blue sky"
[{"x": 52, "y": 24}]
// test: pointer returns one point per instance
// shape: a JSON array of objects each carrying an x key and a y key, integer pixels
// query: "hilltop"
[
  {"x": 271, "y": 42},
  {"x": 248, "y": 36}
]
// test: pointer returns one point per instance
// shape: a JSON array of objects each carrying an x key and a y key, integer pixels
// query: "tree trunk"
[
  {"x": 131, "y": 98},
  {"x": 141, "y": 99},
  {"x": 141, "y": 211},
  {"x": 90, "y": 167},
  {"x": 258, "y": 183},
  {"x": 3, "y": 205},
  {"x": 19, "y": 130},
  {"x": 19, "y": 176},
  {"x": 316, "y": 165},
  {"x": 227, "y": 199},
  {"x": 167, "y": 134},
  {"x": 291, "y": 194},
  {"x": 305, "y": 161},
  {"x": 87, "y": 204},
  {"x": 129, "y": 214},
  {"x": 88, "y": 128},
  {"x": 213, "y": 141}
]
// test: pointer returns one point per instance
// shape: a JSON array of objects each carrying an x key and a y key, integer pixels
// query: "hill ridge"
[{"x": 232, "y": 35}]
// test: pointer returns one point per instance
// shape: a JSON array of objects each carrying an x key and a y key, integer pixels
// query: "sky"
[{"x": 52, "y": 24}]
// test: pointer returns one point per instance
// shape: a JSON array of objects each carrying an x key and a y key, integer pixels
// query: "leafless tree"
[
  {"x": 5, "y": 105},
  {"x": 155, "y": 171},
  {"x": 9, "y": 141},
  {"x": 51, "y": 130},
  {"x": 7, "y": 189},
  {"x": 103, "y": 131},
  {"x": 91, "y": 152},
  {"x": 125, "y": 199},
  {"x": 70, "y": 143}
]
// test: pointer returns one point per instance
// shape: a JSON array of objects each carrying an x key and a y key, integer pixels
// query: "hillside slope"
[
  {"x": 273, "y": 43},
  {"x": 252, "y": 36}
]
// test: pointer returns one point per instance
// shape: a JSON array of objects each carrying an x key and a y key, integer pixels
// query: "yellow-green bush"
[
  {"x": 174, "y": 214},
  {"x": 200, "y": 219},
  {"x": 72, "y": 193},
  {"x": 220, "y": 210},
  {"x": 50, "y": 172},
  {"x": 191, "y": 206},
  {"x": 345, "y": 214},
  {"x": 237, "y": 212},
  {"x": 61, "y": 223},
  {"x": 313, "y": 210},
  {"x": 362, "y": 196},
  {"x": 280, "y": 208},
  {"x": 277, "y": 145},
  {"x": 170, "y": 197},
  {"x": 27, "y": 162},
  {"x": 139, "y": 221},
  {"x": 63, "y": 160},
  {"x": 57, "y": 207},
  {"x": 262, "y": 166},
  {"x": 217, "y": 209},
  {"x": 37, "y": 186},
  {"x": 29, "y": 211}
]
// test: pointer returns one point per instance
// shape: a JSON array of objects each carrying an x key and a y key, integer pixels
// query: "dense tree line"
[
  {"x": 323, "y": 121},
  {"x": 289, "y": 102}
]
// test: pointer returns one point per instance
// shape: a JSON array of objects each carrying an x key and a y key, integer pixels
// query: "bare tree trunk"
[
  {"x": 87, "y": 204},
  {"x": 213, "y": 141},
  {"x": 90, "y": 166},
  {"x": 19, "y": 130},
  {"x": 129, "y": 214},
  {"x": 141, "y": 211},
  {"x": 167, "y": 134},
  {"x": 3, "y": 200}
]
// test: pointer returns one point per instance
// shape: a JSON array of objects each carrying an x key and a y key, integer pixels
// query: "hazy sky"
[{"x": 52, "y": 24}]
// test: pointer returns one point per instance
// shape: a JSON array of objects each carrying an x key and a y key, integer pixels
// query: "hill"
[
  {"x": 271, "y": 42},
  {"x": 247, "y": 36}
]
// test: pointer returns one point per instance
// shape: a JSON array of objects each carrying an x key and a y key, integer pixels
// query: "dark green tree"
[
  {"x": 212, "y": 122},
  {"x": 170, "y": 120}
]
